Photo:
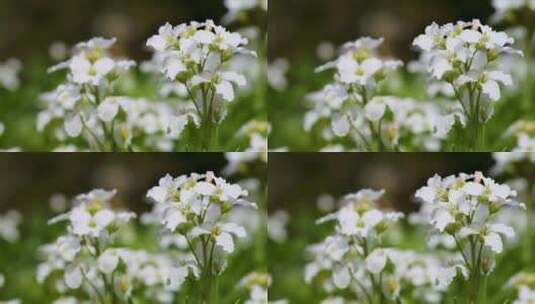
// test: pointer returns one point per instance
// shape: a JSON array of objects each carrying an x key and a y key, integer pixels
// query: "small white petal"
[
  {"x": 225, "y": 241},
  {"x": 104, "y": 217},
  {"x": 73, "y": 277},
  {"x": 376, "y": 261},
  {"x": 341, "y": 277},
  {"x": 108, "y": 261},
  {"x": 73, "y": 126},
  {"x": 340, "y": 125},
  {"x": 491, "y": 89},
  {"x": 494, "y": 242},
  {"x": 470, "y": 36},
  {"x": 107, "y": 110},
  {"x": 236, "y": 229},
  {"x": 225, "y": 89},
  {"x": 205, "y": 188}
]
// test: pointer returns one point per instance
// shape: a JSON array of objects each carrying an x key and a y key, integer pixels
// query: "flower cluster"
[
  {"x": 9, "y": 78},
  {"x": 359, "y": 67},
  {"x": 464, "y": 55},
  {"x": 396, "y": 123},
  {"x": 85, "y": 105},
  {"x": 194, "y": 206},
  {"x": 354, "y": 110},
  {"x": 134, "y": 124},
  {"x": 86, "y": 259},
  {"x": 195, "y": 55},
  {"x": 197, "y": 206},
  {"x": 466, "y": 207},
  {"x": 354, "y": 255}
]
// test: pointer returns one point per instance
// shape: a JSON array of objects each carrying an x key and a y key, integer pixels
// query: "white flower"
[
  {"x": 464, "y": 55},
  {"x": 91, "y": 218},
  {"x": 223, "y": 235},
  {"x": 83, "y": 71},
  {"x": 464, "y": 207},
  {"x": 166, "y": 37},
  {"x": 358, "y": 64}
]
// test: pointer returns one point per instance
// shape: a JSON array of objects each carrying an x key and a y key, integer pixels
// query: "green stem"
[{"x": 482, "y": 291}]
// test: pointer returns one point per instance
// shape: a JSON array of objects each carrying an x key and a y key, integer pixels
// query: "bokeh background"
[
  {"x": 35, "y": 177},
  {"x": 296, "y": 180},
  {"x": 297, "y": 27},
  {"x": 29, "y": 27}
]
